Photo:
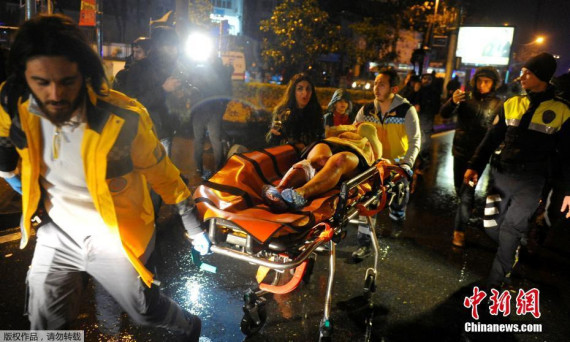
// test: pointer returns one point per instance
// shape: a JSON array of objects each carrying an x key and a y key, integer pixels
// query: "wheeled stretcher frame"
[{"x": 298, "y": 251}]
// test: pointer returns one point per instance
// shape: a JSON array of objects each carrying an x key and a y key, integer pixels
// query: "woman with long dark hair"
[{"x": 298, "y": 118}]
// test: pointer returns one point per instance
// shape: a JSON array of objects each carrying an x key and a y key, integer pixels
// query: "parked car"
[{"x": 362, "y": 83}]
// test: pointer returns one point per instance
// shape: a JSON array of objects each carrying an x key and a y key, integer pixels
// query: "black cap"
[
  {"x": 164, "y": 35},
  {"x": 542, "y": 65}
]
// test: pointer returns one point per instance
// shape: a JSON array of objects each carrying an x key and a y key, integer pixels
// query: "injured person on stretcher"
[{"x": 347, "y": 151}]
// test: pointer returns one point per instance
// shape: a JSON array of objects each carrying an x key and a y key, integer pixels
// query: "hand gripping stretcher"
[{"x": 242, "y": 227}]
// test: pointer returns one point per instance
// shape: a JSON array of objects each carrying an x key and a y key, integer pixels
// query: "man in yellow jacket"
[{"x": 85, "y": 154}]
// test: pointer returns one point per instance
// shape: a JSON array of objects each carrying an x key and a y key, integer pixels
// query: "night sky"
[{"x": 531, "y": 18}]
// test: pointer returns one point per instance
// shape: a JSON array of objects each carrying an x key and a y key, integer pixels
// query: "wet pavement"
[{"x": 421, "y": 287}]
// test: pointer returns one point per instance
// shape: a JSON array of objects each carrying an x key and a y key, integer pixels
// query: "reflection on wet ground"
[{"x": 421, "y": 286}]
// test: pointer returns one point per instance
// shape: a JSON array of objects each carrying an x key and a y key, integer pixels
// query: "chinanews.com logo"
[{"x": 527, "y": 303}]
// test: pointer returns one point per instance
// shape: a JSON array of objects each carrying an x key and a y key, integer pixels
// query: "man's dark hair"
[
  {"x": 390, "y": 72},
  {"x": 164, "y": 35},
  {"x": 142, "y": 42},
  {"x": 55, "y": 35}
]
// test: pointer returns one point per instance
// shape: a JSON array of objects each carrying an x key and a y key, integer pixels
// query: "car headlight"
[
  {"x": 354, "y": 84},
  {"x": 367, "y": 86}
]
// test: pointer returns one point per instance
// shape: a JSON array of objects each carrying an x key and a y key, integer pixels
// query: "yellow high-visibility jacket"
[{"x": 121, "y": 154}]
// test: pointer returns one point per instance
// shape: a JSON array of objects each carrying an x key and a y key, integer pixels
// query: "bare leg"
[
  {"x": 340, "y": 164},
  {"x": 297, "y": 176}
]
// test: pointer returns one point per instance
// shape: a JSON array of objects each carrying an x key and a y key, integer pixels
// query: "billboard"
[{"x": 485, "y": 45}]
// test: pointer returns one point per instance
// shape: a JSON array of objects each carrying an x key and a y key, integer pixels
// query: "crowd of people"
[{"x": 89, "y": 159}]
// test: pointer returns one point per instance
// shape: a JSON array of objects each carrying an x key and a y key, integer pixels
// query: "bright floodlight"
[
  {"x": 539, "y": 40},
  {"x": 199, "y": 46}
]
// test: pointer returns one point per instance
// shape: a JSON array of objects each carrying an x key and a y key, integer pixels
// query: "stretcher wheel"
[
  {"x": 248, "y": 324},
  {"x": 369, "y": 285},
  {"x": 254, "y": 313},
  {"x": 325, "y": 331}
]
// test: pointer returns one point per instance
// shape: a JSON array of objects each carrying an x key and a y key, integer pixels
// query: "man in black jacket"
[
  {"x": 529, "y": 134},
  {"x": 429, "y": 102},
  {"x": 475, "y": 112},
  {"x": 141, "y": 47},
  {"x": 152, "y": 78}
]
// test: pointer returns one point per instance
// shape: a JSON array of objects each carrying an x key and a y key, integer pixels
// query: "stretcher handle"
[
  {"x": 363, "y": 211},
  {"x": 382, "y": 167}
]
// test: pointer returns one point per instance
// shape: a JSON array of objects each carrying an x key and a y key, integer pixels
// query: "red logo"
[{"x": 526, "y": 302}]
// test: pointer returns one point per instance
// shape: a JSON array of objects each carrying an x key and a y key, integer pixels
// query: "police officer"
[{"x": 528, "y": 134}]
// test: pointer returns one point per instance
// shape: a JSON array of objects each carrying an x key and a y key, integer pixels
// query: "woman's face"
[
  {"x": 341, "y": 106},
  {"x": 303, "y": 93}
]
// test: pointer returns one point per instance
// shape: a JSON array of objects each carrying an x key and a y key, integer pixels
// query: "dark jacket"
[
  {"x": 296, "y": 126},
  {"x": 474, "y": 118},
  {"x": 429, "y": 101},
  {"x": 532, "y": 136},
  {"x": 144, "y": 83}
]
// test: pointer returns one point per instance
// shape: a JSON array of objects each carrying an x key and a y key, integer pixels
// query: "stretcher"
[{"x": 242, "y": 227}]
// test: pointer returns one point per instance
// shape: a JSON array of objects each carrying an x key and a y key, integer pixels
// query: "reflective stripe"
[
  {"x": 489, "y": 223},
  {"x": 493, "y": 198},
  {"x": 491, "y": 211},
  {"x": 542, "y": 128},
  {"x": 513, "y": 122}
]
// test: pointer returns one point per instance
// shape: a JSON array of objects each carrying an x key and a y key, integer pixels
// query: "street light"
[
  {"x": 539, "y": 40},
  {"x": 199, "y": 46}
]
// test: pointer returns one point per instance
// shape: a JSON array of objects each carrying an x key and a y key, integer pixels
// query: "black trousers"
[
  {"x": 509, "y": 205},
  {"x": 465, "y": 194},
  {"x": 208, "y": 117}
]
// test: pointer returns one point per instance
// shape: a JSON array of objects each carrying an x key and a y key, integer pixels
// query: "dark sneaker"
[
  {"x": 398, "y": 218},
  {"x": 293, "y": 199},
  {"x": 196, "y": 326},
  {"x": 361, "y": 253},
  {"x": 272, "y": 197}
]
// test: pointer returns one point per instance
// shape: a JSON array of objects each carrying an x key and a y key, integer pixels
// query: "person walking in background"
[
  {"x": 140, "y": 47},
  {"x": 298, "y": 118},
  {"x": 151, "y": 79},
  {"x": 86, "y": 154},
  {"x": 214, "y": 83},
  {"x": 411, "y": 91},
  {"x": 429, "y": 102},
  {"x": 475, "y": 112},
  {"x": 399, "y": 132},
  {"x": 339, "y": 111},
  {"x": 529, "y": 134}
]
